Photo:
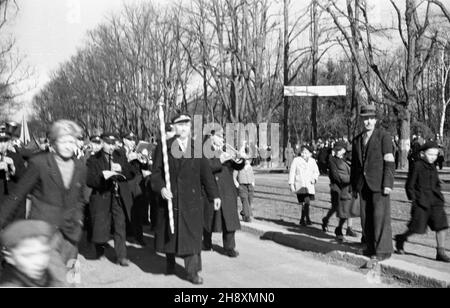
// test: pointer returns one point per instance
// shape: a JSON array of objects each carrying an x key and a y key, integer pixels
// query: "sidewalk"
[{"x": 417, "y": 269}]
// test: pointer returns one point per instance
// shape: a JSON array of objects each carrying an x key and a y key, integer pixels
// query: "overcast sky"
[{"x": 48, "y": 32}]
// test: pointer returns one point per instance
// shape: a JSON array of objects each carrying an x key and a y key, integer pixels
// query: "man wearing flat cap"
[
  {"x": 111, "y": 199},
  {"x": 372, "y": 177},
  {"x": 188, "y": 176}
]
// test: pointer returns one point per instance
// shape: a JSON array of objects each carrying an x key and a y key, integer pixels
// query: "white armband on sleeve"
[{"x": 389, "y": 158}]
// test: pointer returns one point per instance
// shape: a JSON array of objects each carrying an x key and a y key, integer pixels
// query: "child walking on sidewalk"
[
  {"x": 303, "y": 176},
  {"x": 424, "y": 190}
]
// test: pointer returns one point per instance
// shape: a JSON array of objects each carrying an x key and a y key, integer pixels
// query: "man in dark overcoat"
[
  {"x": 226, "y": 219},
  {"x": 12, "y": 168},
  {"x": 188, "y": 175},
  {"x": 372, "y": 177},
  {"x": 108, "y": 173}
]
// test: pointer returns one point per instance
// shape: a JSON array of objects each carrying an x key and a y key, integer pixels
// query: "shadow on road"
[{"x": 309, "y": 239}]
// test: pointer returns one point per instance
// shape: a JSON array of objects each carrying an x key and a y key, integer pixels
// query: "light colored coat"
[{"x": 304, "y": 174}]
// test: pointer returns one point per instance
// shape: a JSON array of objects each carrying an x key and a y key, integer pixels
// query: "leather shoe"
[
  {"x": 324, "y": 225},
  {"x": 442, "y": 256},
  {"x": 195, "y": 279},
  {"x": 170, "y": 270},
  {"x": 232, "y": 253},
  {"x": 399, "y": 244},
  {"x": 124, "y": 262},
  {"x": 350, "y": 232}
]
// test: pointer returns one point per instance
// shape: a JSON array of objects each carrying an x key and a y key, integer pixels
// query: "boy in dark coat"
[{"x": 424, "y": 190}]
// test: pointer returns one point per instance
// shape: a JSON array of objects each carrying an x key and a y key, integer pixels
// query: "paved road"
[{"x": 261, "y": 264}]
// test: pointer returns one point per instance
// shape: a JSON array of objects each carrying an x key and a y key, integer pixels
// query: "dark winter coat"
[
  {"x": 373, "y": 168},
  {"x": 228, "y": 213},
  {"x": 103, "y": 190},
  {"x": 187, "y": 177},
  {"x": 423, "y": 186}
]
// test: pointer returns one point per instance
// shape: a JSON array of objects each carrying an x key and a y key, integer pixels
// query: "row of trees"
[{"x": 229, "y": 60}]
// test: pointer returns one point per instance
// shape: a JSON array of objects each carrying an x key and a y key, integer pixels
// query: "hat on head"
[
  {"x": 109, "y": 138},
  {"x": 339, "y": 146},
  {"x": 429, "y": 145},
  {"x": 181, "y": 118},
  {"x": 368, "y": 111},
  {"x": 5, "y": 136},
  {"x": 129, "y": 136},
  {"x": 20, "y": 230},
  {"x": 96, "y": 139}
]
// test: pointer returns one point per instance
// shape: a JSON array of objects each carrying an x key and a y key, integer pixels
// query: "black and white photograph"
[{"x": 224, "y": 151}]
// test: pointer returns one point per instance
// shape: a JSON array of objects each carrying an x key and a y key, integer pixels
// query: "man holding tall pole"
[{"x": 179, "y": 178}]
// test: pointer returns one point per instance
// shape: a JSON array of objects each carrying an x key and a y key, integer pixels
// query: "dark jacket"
[
  {"x": 12, "y": 278},
  {"x": 102, "y": 189},
  {"x": 228, "y": 213},
  {"x": 51, "y": 200},
  {"x": 8, "y": 185},
  {"x": 340, "y": 186},
  {"x": 373, "y": 169},
  {"x": 187, "y": 177},
  {"x": 423, "y": 187}
]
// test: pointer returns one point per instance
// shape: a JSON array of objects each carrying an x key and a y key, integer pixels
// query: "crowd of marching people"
[{"x": 111, "y": 186}]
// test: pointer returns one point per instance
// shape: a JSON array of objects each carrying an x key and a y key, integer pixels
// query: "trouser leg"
[
  {"x": 193, "y": 264},
  {"x": 229, "y": 240},
  {"x": 207, "y": 239},
  {"x": 382, "y": 229},
  {"x": 119, "y": 219}
]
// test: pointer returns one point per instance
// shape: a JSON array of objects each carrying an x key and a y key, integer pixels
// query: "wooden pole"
[{"x": 162, "y": 126}]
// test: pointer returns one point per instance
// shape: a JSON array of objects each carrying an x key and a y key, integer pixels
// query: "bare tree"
[{"x": 418, "y": 46}]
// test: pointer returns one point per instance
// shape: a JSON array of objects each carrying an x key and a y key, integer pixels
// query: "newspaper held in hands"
[{"x": 112, "y": 175}]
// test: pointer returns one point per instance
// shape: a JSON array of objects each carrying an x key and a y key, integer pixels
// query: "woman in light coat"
[{"x": 303, "y": 175}]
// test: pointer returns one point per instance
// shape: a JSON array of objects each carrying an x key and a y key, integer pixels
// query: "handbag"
[{"x": 355, "y": 209}]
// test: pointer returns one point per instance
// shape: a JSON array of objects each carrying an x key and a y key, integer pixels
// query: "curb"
[{"x": 399, "y": 270}]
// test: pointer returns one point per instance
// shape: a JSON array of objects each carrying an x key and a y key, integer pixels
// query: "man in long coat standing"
[
  {"x": 187, "y": 176},
  {"x": 372, "y": 176},
  {"x": 226, "y": 219},
  {"x": 108, "y": 173}
]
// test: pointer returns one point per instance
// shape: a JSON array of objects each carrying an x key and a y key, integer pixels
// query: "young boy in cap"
[
  {"x": 424, "y": 190},
  {"x": 26, "y": 249}
]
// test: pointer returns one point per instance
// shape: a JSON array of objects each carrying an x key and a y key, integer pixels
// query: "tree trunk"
[
  {"x": 315, "y": 51},
  {"x": 442, "y": 123},
  {"x": 286, "y": 77},
  {"x": 405, "y": 141}
]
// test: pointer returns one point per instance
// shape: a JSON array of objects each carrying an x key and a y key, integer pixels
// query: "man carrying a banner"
[{"x": 187, "y": 176}]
